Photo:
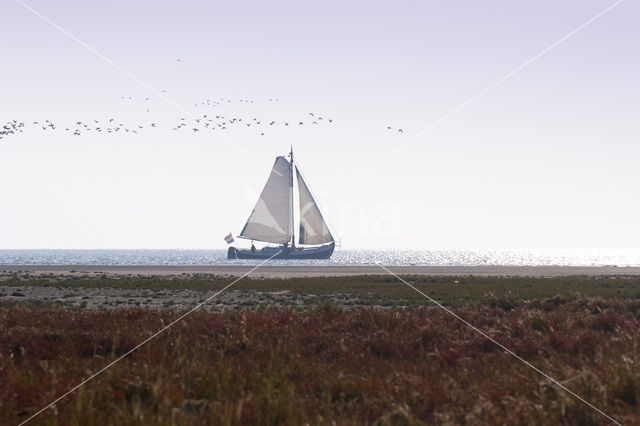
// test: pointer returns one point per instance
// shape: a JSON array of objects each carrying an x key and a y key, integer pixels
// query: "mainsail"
[
  {"x": 313, "y": 229},
  {"x": 271, "y": 219}
]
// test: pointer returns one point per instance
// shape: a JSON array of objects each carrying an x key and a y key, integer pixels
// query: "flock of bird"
[
  {"x": 222, "y": 122},
  {"x": 209, "y": 121},
  {"x": 13, "y": 127},
  {"x": 10, "y": 128},
  {"x": 195, "y": 123}
]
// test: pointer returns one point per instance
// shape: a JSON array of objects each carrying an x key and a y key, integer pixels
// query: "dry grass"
[{"x": 321, "y": 366}]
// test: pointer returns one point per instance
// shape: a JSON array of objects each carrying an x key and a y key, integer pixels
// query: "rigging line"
[
  {"x": 148, "y": 339},
  {"x": 134, "y": 77},
  {"x": 509, "y": 351}
]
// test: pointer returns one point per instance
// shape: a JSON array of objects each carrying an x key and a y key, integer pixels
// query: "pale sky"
[{"x": 548, "y": 158}]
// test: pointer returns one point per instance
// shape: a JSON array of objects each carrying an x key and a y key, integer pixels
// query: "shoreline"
[{"x": 301, "y": 271}]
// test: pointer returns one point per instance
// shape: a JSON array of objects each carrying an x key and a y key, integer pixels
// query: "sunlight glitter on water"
[{"x": 551, "y": 257}]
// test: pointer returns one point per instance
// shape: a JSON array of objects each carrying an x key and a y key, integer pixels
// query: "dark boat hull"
[{"x": 322, "y": 252}]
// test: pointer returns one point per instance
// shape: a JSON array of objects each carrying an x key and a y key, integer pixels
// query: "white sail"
[
  {"x": 271, "y": 219},
  {"x": 313, "y": 229}
]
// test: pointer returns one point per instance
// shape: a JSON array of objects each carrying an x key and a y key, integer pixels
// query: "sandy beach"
[{"x": 317, "y": 271}]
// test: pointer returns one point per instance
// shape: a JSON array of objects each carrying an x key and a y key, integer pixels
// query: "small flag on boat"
[{"x": 229, "y": 239}]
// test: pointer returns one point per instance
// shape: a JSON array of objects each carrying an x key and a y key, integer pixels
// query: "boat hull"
[{"x": 322, "y": 252}]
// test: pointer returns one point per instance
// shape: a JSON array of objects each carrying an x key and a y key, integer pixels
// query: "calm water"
[{"x": 340, "y": 257}]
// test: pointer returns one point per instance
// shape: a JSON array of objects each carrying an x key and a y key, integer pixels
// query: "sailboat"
[{"x": 272, "y": 219}]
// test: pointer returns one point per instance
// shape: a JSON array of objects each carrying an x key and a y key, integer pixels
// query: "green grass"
[{"x": 376, "y": 289}]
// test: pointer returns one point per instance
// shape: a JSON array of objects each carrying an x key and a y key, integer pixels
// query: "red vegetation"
[{"x": 290, "y": 367}]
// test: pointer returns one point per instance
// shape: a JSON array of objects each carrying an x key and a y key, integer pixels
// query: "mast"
[{"x": 293, "y": 236}]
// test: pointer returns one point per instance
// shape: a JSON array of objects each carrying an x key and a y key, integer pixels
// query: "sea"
[{"x": 548, "y": 257}]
